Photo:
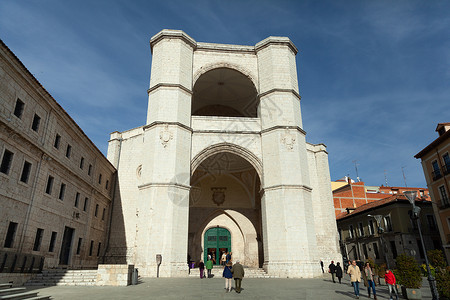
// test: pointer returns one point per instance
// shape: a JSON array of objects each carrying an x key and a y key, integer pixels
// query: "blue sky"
[{"x": 373, "y": 75}]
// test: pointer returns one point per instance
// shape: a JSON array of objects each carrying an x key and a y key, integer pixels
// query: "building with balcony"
[
  {"x": 361, "y": 237},
  {"x": 435, "y": 160}
]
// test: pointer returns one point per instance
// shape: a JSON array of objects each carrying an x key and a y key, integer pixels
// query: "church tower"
[{"x": 222, "y": 164}]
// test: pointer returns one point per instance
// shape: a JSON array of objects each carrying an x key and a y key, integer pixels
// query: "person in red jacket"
[{"x": 390, "y": 281}]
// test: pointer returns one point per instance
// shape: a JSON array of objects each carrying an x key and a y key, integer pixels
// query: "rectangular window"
[
  {"x": 98, "y": 249},
  {"x": 422, "y": 255},
  {"x": 11, "y": 233},
  {"x": 91, "y": 248},
  {"x": 6, "y": 162},
  {"x": 393, "y": 249},
  {"x": 387, "y": 223},
  {"x": 96, "y": 210},
  {"x": 436, "y": 170},
  {"x": 375, "y": 250},
  {"x": 107, "y": 184},
  {"x": 431, "y": 222},
  {"x": 100, "y": 179},
  {"x": 38, "y": 239},
  {"x": 85, "y": 206},
  {"x": 446, "y": 159},
  {"x": 371, "y": 228},
  {"x": 25, "y": 172},
  {"x": 350, "y": 231},
  {"x": 77, "y": 199},
  {"x": 51, "y": 247},
  {"x": 57, "y": 141},
  {"x": 80, "y": 240},
  {"x": 82, "y": 163},
  {"x": 68, "y": 151},
  {"x": 18, "y": 110},
  {"x": 62, "y": 191},
  {"x": 361, "y": 229},
  {"x": 103, "y": 214},
  {"x": 444, "y": 198},
  {"x": 49, "y": 187},
  {"x": 90, "y": 170},
  {"x": 36, "y": 122},
  {"x": 366, "y": 255}
]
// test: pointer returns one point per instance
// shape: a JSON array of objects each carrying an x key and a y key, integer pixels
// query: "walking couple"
[{"x": 235, "y": 271}]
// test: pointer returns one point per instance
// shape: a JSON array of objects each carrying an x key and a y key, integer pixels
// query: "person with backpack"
[{"x": 332, "y": 270}]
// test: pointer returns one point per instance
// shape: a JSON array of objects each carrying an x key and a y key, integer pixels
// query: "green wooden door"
[{"x": 216, "y": 241}]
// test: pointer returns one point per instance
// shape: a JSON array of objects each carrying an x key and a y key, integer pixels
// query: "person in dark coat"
[
  {"x": 332, "y": 270},
  {"x": 228, "y": 275},
  {"x": 321, "y": 265},
  {"x": 201, "y": 267},
  {"x": 338, "y": 271},
  {"x": 238, "y": 274}
]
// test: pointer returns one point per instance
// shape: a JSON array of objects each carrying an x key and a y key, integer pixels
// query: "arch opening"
[
  {"x": 225, "y": 194},
  {"x": 224, "y": 92}
]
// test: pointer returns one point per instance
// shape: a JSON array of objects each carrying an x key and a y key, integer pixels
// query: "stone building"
[
  {"x": 222, "y": 164},
  {"x": 55, "y": 185},
  {"x": 436, "y": 166},
  {"x": 360, "y": 239}
]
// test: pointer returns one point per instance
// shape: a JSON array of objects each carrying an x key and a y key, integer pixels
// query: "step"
[
  {"x": 6, "y": 285},
  {"x": 11, "y": 291},
  {"x": 25, "y": 295},
  {"x": 39, "y": 298}
]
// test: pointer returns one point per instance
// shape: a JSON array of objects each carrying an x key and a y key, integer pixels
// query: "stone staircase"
[
  {"x": 64, "y": 277},
  {"x": 10, "y": 293},
  {"x": 249, "y": 273}
]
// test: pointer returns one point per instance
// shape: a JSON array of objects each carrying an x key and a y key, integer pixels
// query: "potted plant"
[{"x": 409, "y": 276}]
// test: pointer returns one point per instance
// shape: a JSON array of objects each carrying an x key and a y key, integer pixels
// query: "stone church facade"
[{"x": 221, "y": 164}]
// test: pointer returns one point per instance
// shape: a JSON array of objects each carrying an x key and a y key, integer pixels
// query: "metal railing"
[
  {"x": 436, "y": 174},
  {"x": 10, "y": 262}
]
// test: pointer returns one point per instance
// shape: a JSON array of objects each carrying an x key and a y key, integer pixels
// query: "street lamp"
[
  {"x": 378, "y": 219},
  {"x": 411, "y": 196}
]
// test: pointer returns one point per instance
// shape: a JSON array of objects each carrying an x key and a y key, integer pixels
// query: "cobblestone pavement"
[{"x": 214, "y": 288}]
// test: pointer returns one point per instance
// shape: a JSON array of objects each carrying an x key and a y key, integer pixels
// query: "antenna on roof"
[
  {"x": 385, "y": 178},
  {"x": 404, "y": 177},
  {"x": 356, "y": 168}
]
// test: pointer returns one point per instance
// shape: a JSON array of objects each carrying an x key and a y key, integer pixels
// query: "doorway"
[
  {"x": 217, "y": 240},
  {"x": 66, "y": 246}
]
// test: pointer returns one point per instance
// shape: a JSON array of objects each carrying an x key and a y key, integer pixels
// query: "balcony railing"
[
  {"x": 446, "y": 169},
  {"x": 436, "y": 174},
  {"x": 443, "y": 203}
]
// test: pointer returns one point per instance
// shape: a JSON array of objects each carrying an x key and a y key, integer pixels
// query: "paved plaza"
[{"x": 196, "y": 288}]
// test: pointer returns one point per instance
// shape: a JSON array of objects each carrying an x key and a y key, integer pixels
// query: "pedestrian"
[
  {"x": 321, "y": 265},
  {"x": 223, "y": 259},
  {"x": 338, "y": 271},
  {"x": 390, "y": 281},
  {"x": 238, "y": 274},
  {"x": 355, "y": 277},
  {"x": 201, "y": 267},
  {"x": 332, "y": 270},
  {"x": 228, "y": 275},
  {"x": 228, "y": 257},
  {"x": 369, "y": 281},
  {"x": 209, "y": 266}
]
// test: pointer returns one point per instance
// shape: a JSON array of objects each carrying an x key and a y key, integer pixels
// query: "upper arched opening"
[{"x": 224, "y": 92}]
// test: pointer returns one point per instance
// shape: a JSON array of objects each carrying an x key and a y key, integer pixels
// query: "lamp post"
[
  {"x": 380, "y": 230},
  {"x": 411, "y": 196}
]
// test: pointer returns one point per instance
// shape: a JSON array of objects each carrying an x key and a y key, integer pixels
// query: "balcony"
[
  {"x": 446, "y": 169},
  {"x": 443, "y": 203},
  {"x": 436, "y": 174}
]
